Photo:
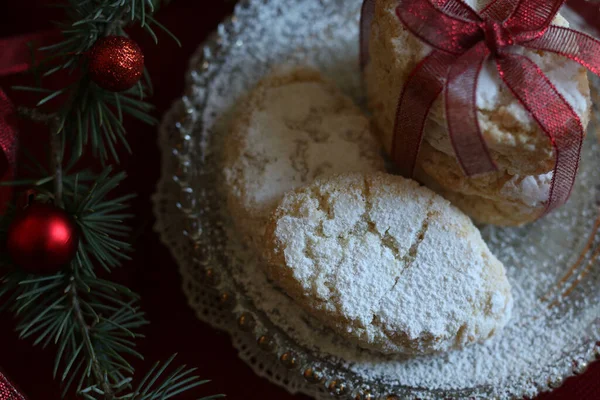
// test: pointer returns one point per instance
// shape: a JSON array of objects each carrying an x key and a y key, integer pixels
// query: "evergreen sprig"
[
  {"x": 90, "y": 115},
  {"x": 92, "y": 323}
]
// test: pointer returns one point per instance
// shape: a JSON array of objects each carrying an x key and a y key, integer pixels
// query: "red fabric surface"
[{"x": 153, "y": 273}]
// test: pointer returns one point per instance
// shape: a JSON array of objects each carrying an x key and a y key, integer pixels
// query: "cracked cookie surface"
[
  {"x": 387, "y": 264},
  {"x": 293, "y": 127}
]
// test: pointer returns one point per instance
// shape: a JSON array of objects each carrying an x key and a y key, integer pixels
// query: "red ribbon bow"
[
  {"x": 15, "y": 57},
  {"x": 8, "y": 137},
  {"x": 463, "y": 40}
]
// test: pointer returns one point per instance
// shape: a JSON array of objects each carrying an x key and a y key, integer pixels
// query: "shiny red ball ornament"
[
  {"x": 116, "y": 63},
  {"x": 42, "y": 239}
]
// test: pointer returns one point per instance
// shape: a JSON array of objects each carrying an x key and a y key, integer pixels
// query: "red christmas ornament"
[
  {"x": 116, "y": 63},
  {"x": 42, "y": 239}
]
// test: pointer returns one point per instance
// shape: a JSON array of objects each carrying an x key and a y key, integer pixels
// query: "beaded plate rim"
[{"x": 176, "y": 130}]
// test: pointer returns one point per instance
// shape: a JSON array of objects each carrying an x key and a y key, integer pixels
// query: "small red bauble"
[
  {"x": 116, "y": 63},
  {"x": 42, "y": 239}
]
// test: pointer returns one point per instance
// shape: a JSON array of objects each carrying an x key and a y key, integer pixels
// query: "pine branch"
[
  {"x": 90, "y": 115},
  {"x": 92, "y": 322},
  {"x": 89, "y": 348},
  {"x": 56, "y": 151}
]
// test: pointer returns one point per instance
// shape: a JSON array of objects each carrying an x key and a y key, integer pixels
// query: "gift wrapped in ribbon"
[{"x": 487, "y": 102}]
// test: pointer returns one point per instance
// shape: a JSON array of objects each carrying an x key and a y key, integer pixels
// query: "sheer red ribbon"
[
  {"x": 462, "y": 41},
  {"x": 8, "y": 391},
  {"x": 8, "y": 137},
  {"x": 15, "y": 57}
]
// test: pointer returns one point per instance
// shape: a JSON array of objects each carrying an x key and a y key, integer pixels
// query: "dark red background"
[{"x": 153, "y": 273}]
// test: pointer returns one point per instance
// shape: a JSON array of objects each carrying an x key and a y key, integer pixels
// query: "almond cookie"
[
  {"x": 387, "y": 264},
  {"x": 292, "y": 128},
  {"x": 497, "y": 198},
  {"x": 516, "y": 142}
]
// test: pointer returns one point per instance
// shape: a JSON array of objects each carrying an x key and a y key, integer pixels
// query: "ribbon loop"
[
  {"x": 458, "y": 8},
  {"x": 500, "y": 10},
  {"x": 571, "y": 44},
  {"x": 533, "y": 17},
  {"x": 442, "y": 31}
]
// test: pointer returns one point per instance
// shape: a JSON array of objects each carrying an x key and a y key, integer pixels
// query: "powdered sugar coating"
[
  {"x": 531, "y": 190},
  {"x": 388, "y": 264},
  {"x": 536, "y": 349},
  {"x": 293, "y": 128}
]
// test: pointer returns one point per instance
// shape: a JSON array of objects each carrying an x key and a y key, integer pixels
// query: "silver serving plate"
[{"x": 551, "y": 264}]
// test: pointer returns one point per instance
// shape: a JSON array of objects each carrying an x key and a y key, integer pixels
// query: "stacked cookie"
[
  {"x": 517, "y": 192},
  {"x": 387, "y": 264},
  {"x": 293, "y": 128},
  {"x": 383, "y": 262}
]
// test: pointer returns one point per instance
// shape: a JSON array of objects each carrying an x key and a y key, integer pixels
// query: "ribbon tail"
[
  {"x": 422, "y": 88},
  {"x": 553, "y": 114},
  {"x": 367, "y": 14},
  {"x": 576, "y": 46},
  {"x": 465, "y": 135}
]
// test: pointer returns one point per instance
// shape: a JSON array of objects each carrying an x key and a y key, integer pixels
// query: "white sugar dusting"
[
  {"x": 293, "y": 130},
  {"x": 534, "y": 341},
  {"x": 531, "y": 190},
  {"x": 538, "y": 341},
  {"x": 389, "y": 264}
]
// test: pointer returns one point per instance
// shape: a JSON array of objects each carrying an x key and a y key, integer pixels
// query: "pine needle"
[{"x": 93, "y": 322}]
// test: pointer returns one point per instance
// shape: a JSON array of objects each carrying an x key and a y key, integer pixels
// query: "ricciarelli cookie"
[
  {"x": 387, "y": 264},
  {"x": 497, "y": 198},
  {"x": 292, "y": 128},
  {"x": 516, "y": 142}
]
